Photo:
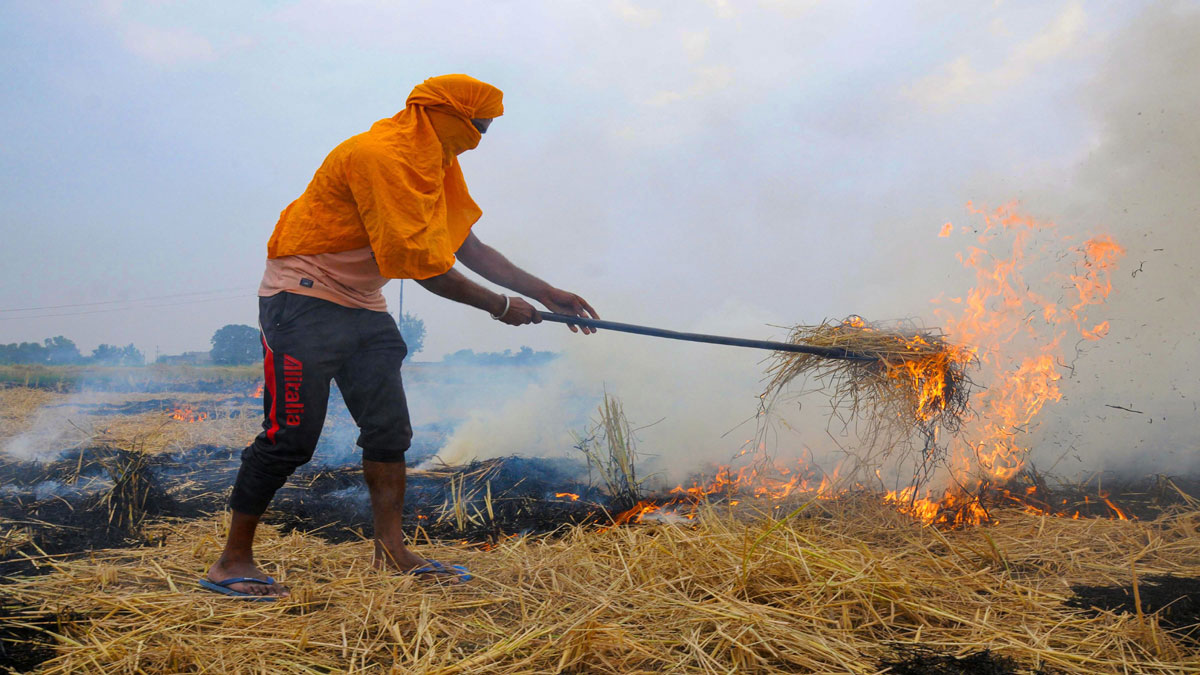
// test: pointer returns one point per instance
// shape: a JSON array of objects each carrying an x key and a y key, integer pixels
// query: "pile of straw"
[
  {"x": 805, "y": 593},
  {"x": 912, "y": 381}
]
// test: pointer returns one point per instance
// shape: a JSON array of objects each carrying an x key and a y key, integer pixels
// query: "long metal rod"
[{"x": 826, "y": 352}]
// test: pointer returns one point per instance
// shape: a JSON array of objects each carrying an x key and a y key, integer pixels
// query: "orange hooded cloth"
[{"x": 397, "y": 188}]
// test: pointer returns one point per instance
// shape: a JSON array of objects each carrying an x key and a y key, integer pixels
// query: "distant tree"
[
  {"x": 524, "y": 357},
  {"x": 22, "y": 352},
  {"x": 52, "y": 351},
  {"x": 60, "y": 350},
  {"x": 235, "y": 345},
  {"x": 132, "y": 356},
  {"x": 112, "y": 355},
  {"x": 412, "y": 330}
]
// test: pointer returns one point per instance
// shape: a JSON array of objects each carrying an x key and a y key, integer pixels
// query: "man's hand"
[
  {"x": 491, "y": 265},
  {"x": 565, "y": 302},
  {"x": 519, "y": 312}
]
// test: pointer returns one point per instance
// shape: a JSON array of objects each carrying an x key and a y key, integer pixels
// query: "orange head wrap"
[
  {"x": 450, "y": 103},
  {"x": 397, "y": 188},
  {"x": 462, "y": 95}
]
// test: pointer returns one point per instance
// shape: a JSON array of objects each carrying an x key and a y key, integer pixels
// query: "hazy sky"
[{"x": 674, "y": 162}]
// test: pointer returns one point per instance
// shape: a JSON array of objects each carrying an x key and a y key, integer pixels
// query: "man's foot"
[
  {"x": 222, "y": 570},
  {"x": 396, "y": 557}
]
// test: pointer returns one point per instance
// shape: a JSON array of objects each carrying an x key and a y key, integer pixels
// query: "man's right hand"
[{"x": 519, "y": 312}]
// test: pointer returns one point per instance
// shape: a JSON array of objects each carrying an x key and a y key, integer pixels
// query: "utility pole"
[{"x": 400, "y": 305}]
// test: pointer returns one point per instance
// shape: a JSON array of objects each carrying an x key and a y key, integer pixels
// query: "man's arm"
[
  {"x": 490, "y": 264},
  {"x": 453, "y": 285}
]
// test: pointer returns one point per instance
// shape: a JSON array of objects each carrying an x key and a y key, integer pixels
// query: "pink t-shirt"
[{"x": 348, "y": 278}]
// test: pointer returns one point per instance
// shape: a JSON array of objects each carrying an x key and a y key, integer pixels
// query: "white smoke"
[
  {"x": 51, "y": 432},
  {"x": 1140, "y": 182},
  {"x": 693, "y": 404}
]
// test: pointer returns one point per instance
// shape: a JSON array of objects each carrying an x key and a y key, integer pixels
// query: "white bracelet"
[{"x": 507, "y": 302}]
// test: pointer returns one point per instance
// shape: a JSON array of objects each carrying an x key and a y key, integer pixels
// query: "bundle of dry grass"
[
  {"x": 134, "y": 494},
  {"x": 609, "y": 449},
  {"x": 914, "y": 380},
  {"x": 806, "y": 593}
]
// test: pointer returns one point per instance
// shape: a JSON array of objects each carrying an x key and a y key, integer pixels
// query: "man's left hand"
[{"x": 565, "y": 302}]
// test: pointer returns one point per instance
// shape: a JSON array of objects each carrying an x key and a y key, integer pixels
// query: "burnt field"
[{"x": 105, "y": 529}]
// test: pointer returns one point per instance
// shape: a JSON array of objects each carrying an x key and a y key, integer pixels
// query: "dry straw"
[
  {"x": 915, "y": 382},
  {"x": 832, "y": 587},
  {"x": 608, "y": 446},
  {"x": 52, "y": 422}
]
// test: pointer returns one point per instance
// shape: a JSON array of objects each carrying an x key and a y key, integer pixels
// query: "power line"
[
  {"x": 125, "y": 309},
  {"x": 119, "y": 302}
]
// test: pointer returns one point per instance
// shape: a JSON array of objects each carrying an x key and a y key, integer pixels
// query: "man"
[{"x": 390, "y": 203}]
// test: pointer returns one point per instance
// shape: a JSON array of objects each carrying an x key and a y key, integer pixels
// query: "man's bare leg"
[
  {"x": 237, "y": 560},
  {"x": 386, "y": 483}
]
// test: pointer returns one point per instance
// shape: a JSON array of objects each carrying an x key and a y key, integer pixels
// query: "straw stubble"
[{"x": 730, "y": 593}]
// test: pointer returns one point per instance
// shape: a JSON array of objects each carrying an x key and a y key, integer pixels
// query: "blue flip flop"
[
  {"x": 223, "y": 587},
  {"x": 434, "y": 567}
]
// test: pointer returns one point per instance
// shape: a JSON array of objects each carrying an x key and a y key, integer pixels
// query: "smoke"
[
  {"x": 1138, "y": 181},
  {"x": 1141, "y": 182},
  {"x": 691, "y": 404},
  {"x": 50, "y": 433},
  {"x": 48, "y": 489},
  {"x": 861, "y": 237}
]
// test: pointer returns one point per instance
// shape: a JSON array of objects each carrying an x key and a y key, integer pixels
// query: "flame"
[
  {"x": 1018, "y": 333},
  {"x": 927, "y": 377},
  {"x": 569, "y": 495},
  {"x": 1017, "y": 324},
  {"x": 186, "y": 414},
  {"x": 764, "y": 485},
  {"x": 257, "y": 393},
  {"x": 635, "y": 514},
  {"x": 764, "y": 481},
  {"x": 1116, "y": 509},
  {"x": 761, "y": 480}
]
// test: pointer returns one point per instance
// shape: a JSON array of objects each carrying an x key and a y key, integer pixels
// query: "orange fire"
[
  {"x": 186, "y": 414},
  {"x": 568, "y": 495},
  {"x": 1018, "y": 323},
  {"x": 764, "y": 481},
  {"x": 257, "y": 393}
]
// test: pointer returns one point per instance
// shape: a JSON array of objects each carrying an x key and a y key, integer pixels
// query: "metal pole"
[
  {"x": 400, "y": 305},
  {"x": 826, "y": 352}
]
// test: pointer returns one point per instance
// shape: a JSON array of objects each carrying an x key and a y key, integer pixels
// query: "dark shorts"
[{"x": 306, "y": 343}]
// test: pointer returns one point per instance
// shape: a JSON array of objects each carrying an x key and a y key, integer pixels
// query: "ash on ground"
[
  {"x": 915, "y": 660},
  {"x": 1175, "y": 601}
]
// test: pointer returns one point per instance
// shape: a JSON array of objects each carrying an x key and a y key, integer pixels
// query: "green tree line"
[
  {"x": 238, "y": 344},
  {"x": 60, "y": 351}
]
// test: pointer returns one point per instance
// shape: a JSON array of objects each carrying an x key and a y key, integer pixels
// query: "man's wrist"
[
  {"x": 544, "y": 294},
  {"x": 499, "y": 313},
  {"x": 497, "y": 305}
]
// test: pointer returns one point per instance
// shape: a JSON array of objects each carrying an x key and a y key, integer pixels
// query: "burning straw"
[{"x": 913, "y": 381}]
